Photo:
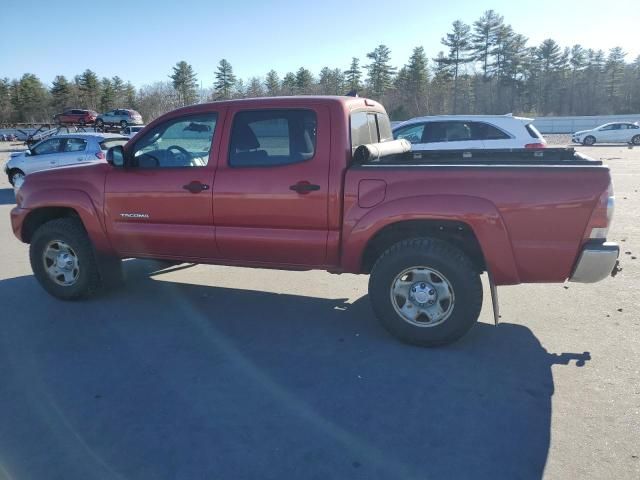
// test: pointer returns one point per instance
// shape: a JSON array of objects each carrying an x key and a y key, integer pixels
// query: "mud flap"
[{"x": 494, "y": 299}]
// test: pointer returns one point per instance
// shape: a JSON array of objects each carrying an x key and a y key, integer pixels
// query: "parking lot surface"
[{"x": 195, "y": 372}]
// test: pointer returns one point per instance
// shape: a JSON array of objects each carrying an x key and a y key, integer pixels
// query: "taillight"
[
  {"x": 602, "y": 215},
  {"x": 535, "y": 145},
  {"x": 100, "y": 155}
]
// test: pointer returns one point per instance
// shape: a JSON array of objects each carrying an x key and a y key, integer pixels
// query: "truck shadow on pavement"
[
  {"x": 166, "y": 380},
  {"x": 7, "y": 196}
]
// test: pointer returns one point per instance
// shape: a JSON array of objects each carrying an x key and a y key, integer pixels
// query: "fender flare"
[
  {"x": 76, "y": 200},
  {"x": 481, "y": 215}
]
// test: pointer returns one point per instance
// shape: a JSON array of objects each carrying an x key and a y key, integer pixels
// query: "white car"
[
  {"x": 59, "y": 151},
  {"x": 461, "y": 132},
  {"x": 617, "y": 132},
  {"x": 131, "y": 130}
]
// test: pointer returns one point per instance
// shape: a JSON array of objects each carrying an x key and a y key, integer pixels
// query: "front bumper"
[
  {"x": 17, "y": 220},
  {"x": 596, "y": 262}
]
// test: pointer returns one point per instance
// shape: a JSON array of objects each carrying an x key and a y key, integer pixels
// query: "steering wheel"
[{"x": 186, "y": 156}]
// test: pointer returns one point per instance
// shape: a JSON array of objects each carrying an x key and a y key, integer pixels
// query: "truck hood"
[{"x": 88, "y": 178}]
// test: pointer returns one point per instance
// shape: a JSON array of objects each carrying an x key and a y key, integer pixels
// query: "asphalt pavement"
[{"x": 194, "y": 372}]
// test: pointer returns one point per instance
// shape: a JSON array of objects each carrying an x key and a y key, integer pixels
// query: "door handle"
[
  {"x": 196, "y": 187},
  {"x": 304, "y": 187}
]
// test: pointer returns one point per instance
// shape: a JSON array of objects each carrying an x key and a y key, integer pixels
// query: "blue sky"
[{"x": 140, "y": 40}]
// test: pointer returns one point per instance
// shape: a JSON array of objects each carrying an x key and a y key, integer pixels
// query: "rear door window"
[
  {"x": 485, "y": 131},
  {"x": 75, "y": 145},
  {"x": 264, "y": 138}
]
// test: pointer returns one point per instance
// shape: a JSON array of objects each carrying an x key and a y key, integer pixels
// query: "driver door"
[{"x": 160, "y": 204}]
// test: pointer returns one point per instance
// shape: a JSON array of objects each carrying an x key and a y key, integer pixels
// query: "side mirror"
[{"x": 115, "y": 156}]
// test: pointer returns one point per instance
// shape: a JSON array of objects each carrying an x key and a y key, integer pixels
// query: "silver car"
[
  {"x": 120, "y": 116},
  {"x": 59, "y": 151}
]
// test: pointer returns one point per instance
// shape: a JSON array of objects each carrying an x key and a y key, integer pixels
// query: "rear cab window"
[{"x": 369, "y": 127}]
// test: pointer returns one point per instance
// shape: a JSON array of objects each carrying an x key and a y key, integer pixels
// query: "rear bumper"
[{"x": 596, "y": 262}]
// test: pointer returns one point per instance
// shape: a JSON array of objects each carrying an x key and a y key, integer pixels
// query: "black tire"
[
  {"x": 99, "y": 123},
  {"x": 636, "y": 140},
  {"x": 72, "y": 232},
  {"x": 123, "y": 124},
  {"x": 82, "y": 123},
  {"x": 13, "y": 172},
  {"x": 589, "y": 140},
  {"x": 441, "y": 257}
]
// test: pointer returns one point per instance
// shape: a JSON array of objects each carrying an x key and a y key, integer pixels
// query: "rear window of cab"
[{"x": 369, "y": 127}]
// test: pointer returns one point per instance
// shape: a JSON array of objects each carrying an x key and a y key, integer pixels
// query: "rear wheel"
[
  {"x": 590, "y": 140},
  {"x": 123, "y": 124},
  {"x": 425, "y": 292},
  {"x": 636, "y": 140},
  {"x": 63, "y": 261},
  {"x": 99, "y": 123}
]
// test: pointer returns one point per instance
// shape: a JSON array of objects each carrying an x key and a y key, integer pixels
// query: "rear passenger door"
[
  {"x": 74, "y": 151},
  {"x": 270, "y": 195}
]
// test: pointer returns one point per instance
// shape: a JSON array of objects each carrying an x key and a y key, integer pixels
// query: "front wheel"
[
  {"x": 588, "y": 141},
  {"x": 425, "y": 292},
  {"x": 16, "y": 178},
  {"x": 63, "y": 261},
  {"x": 123, "y": 124}
]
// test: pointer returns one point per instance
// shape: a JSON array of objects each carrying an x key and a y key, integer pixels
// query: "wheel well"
[
  {"x": 41, "y": 216},
  {"x": 456, "y": 233}
]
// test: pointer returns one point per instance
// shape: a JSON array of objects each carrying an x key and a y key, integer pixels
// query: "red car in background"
[{"x": 76, "y": 116}]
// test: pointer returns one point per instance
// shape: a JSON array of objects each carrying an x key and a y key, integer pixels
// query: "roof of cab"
[{"x": 347, "y": 102}]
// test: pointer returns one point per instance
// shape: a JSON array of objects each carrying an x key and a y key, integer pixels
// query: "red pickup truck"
[{"x": 274, "y": 182}]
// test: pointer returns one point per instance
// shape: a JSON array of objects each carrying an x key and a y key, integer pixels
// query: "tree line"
[{"x": 483, "y": 68}]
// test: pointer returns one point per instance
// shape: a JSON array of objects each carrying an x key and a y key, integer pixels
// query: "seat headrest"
[{"x": 243, "y": 138}]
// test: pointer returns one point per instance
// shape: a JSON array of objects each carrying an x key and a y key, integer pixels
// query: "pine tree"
[
  {"x": 483, "y": 39},
  {"x": 304, "y": 81},
  {"x": 184, "y": 83},
  {"x": 60, "y": 93},
  {"x": 107, "y": 95},
  {"x": 30, "y": 99},
  {"x": 417, "y": 80},
  {"x": 289, "y": 84},
  {"x": 353, "y": 76},
  {"x": 272, "y": 83},
  {"x": 614, "y": 68},
  {"x": 459, "y": 43},
  {"x": 5, "y": 100},
  {"x": 331, "y": 81},
  {"x": 225, "y": 80},
  {"x": 380, "y": 71},
  {"x": 254, "y": 89},
  {"x": 130, "y": 95},
  {"x": 89, "y": 87}
]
